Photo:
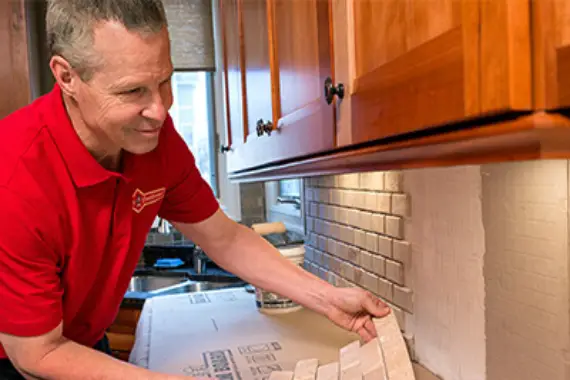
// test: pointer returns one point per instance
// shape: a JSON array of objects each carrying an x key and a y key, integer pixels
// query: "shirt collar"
[{"x": 83, "y": 167}]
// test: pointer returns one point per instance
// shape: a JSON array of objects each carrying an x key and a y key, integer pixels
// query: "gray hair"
[{"x": 70, "y": 23}]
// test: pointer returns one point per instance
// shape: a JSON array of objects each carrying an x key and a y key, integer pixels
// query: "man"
[{"x": 85, "y": 170}]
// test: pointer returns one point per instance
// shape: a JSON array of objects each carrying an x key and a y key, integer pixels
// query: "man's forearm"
[
  {"x": 253, "y": 259},
  {"x": 69, "y": 360}
]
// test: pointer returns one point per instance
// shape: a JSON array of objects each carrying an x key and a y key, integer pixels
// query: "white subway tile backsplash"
[
  {"x": 328, "y": 181},
  {"x": 366, "y": 260},
  {"x": 353, "y": 255},
  {"x": 361, "y": 200},
  {"x": 385, "y": 289},
  {"x": 321, "y": 211},
  {"x": 309, "y": 194},
  {"x": 322, "y": 243},
  {"x": 349, "y": 181},
  {"x": 370, "y": 201},
  {"x": 335, "y": 264},
  {"x": 377, "y": 223},
  {"x": 403, "y": 297},
  {"x": 342, "y": 215},
  {"x": 385, "y": 246},
  {"x": 323, "y": 274},
  {"x": 395, "y": 272},
  {"x": 393, "y": 181},
  {"x": 400, "y": 205},
  {"x": 402, "y": 252},
  {"x": 371, "y": 242},
  {"x": 365, "y": 221},
  {"x": 349, "y": 198},
  {"x": 358, "y": 276},
  {"x": 394, "y": 227},
  {"x": 355, "y": 228},
  {"x": 379, "y": 265},
  {"x": 353, "y": 217},
  {"x": 332, "y": 247},
  {"x": 370, "y": 281},
  {"x": 343, "y": 251},
  {"x": 314, "y": 207},
  {"x": 383, "y": 201},
  {"x": 336, "y": 198},
  {"x": 372, "y": 181}
]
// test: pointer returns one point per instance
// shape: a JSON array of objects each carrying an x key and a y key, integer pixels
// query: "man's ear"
[{"x": 65, "y": 76}]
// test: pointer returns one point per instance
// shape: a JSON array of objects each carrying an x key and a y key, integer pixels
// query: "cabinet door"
[
  {"x": 14, "y": 68},
  {"x": 233, "y": 78},
  {"x": 247, "y": 62},
  {"x": 286, "y": 58},
  {"x": 412, "y": 65},
  {"x": 551, "y": 21}
]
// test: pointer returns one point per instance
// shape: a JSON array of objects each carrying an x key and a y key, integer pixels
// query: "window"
[
  {"x": 284, "y": 203},
  {"x": 193, "y": 116}
]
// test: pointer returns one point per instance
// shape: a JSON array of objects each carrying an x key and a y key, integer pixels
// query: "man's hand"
[
  {"x": 353, "y": 310},
  {"x": 244, "y": 253}
]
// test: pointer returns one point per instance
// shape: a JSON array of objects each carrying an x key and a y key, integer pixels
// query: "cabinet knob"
[
  {"x": 262, "y": 127},
  {"x": 225, "y": 148},
  {"x": 331, "y": 90}
]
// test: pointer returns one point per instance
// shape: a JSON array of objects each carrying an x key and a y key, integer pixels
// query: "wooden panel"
[
  {"x": 551, "y": 39},
  {"x": 232, "y": 70},
  {"x": 418, "y": 90},
  {"x": 126, "y": 321},
  {"x": 14, "y": 68},
  {"x": 344, "y": 66},
  {"x": 505, "y": 55},
  {"x": 256, "y": 62},
  {"x": 530, "y": 137},
  {"x": 303, "y": 60},
  {"x": 297, "y": 43},
  {"x": 416, "y": 65},
  {"x": 121, "y": 342}
]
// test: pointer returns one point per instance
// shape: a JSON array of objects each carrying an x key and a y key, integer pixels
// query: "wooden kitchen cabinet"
[
  {"x": 121, "y": 334},
  {"x": 14, "y": 68},
  {"x": 405, "y": 72},
  {"x": 277, "y": 56},
  {"x": 551, "y": 37},
  {"x": 412, "y": 65}
]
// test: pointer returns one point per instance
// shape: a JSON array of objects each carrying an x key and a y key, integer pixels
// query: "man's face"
[{"x": 126, "y": 100}]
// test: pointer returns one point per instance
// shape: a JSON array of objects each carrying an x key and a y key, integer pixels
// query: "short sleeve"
[
  {"x": 188, "y": 198},
  {"x": 30, "y": 286}
]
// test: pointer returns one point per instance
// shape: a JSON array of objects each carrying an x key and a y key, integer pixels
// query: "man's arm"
[
  {"x": 243, "y": 252},
  {"x": 246, "y": 254},
  {"x": 51, "y": 356}
]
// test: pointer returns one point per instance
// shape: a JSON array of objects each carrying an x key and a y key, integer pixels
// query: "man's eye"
[{"x": 133, "y": 91}]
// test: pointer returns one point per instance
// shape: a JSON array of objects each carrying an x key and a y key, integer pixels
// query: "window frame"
[
  {"x": 212, "y": 132},
  {"x": 293, "y": 218}
]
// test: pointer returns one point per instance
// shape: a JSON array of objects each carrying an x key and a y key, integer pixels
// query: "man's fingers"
[
  {"x": 375, "y": 306},
  {"x": 365, "y": 334},
  {"x": 369, "y": 326}
]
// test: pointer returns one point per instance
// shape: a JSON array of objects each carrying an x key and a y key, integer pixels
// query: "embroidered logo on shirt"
[{"x": 141, "y": 199}]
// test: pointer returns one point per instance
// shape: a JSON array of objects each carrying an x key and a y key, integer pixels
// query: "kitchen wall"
[{"x": 474, "y": 261}]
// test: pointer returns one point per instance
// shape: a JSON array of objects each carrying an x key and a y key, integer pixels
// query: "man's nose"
[{"x": 156, "y": 110}]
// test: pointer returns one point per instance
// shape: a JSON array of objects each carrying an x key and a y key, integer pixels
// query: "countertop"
[
  {"x": 222, "y": 334},
  {"x": 134, "y": 299}
]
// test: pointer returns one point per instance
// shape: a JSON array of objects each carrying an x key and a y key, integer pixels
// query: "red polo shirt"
[{"x": 71, "y": 232}]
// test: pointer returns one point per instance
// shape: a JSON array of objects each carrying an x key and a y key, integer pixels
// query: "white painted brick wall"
[
  {"x": 447, "y": 249},
  {"x": 525, "y": 213}
]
